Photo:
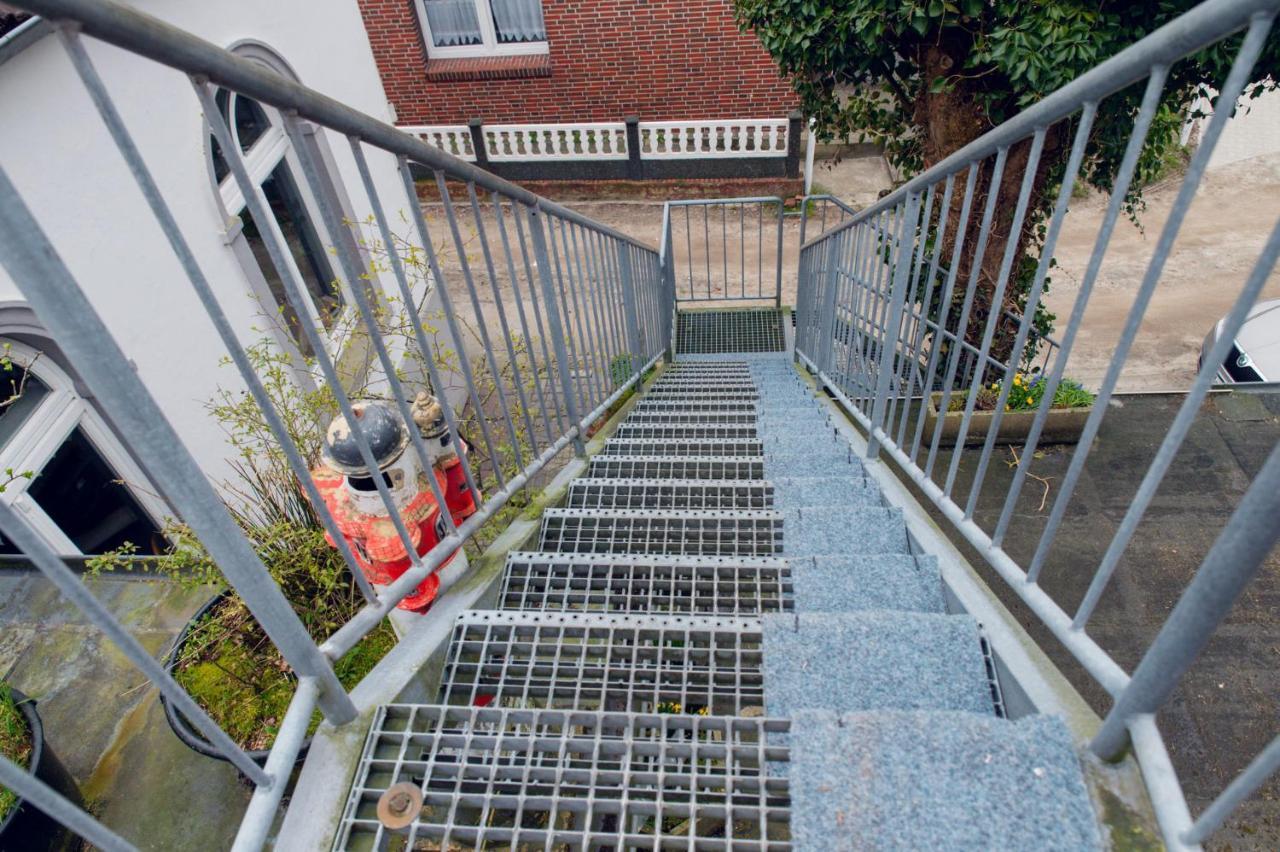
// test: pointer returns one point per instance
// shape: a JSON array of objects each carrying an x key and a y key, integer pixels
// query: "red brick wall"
[{"x": 659, "y": 59}]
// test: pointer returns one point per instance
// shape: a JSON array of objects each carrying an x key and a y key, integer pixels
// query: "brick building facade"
[{"x": 602, "y": 60}]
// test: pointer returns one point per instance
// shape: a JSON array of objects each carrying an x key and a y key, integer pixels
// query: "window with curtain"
[{"x": 483, "y": 27}]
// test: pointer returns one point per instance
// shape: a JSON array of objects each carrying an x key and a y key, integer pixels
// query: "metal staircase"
[
  {"x": 726, "y": 635},
  {"x": 721, "y": 605}
]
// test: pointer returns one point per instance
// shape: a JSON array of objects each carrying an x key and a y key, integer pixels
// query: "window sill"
[{"x": 489, "y": 68}]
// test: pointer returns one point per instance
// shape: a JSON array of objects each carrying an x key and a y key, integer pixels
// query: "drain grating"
[
  {"x": 552, "y": 779},
  {"x": 659, "y": 467},
  {"x": 617, "y": 493},
  {"x": 708, "y": 332},
  {"x": 584, "y": 661},
  {"x": 755, "y": 532},
  {"x": 701, "y": 585}
]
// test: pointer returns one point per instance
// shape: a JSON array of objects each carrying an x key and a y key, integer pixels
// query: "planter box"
[
  {"x": 26, "y": 827},
  {"x": 1062, "y": 426}
]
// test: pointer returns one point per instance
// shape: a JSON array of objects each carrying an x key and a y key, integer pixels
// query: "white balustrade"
[
  {"x": 453, "y": 139},
  {"x": 543, "y": 142},
  {"x": 713, "y": 140}
]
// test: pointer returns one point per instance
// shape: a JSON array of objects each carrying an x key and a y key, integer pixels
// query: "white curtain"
[
  {"x": 453, "y": 22},
  {"x": 518, "y": 20}
]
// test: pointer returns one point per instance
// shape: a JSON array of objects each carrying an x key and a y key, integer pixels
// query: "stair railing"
[
  {"x": 711, "y": 239},
  {"x": 579, "y": 312},
  {"x": 869, "y": 325}
]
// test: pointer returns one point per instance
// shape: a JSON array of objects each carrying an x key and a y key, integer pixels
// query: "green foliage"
[
  {"x": 859, "y": 65},
  {"x": 230, "y": 669},
  {"x": 1025, "y": 394},
  {"x": 229, "y": 665},
  {"x": 922, "y": 78},
  {"x": 620, "y": 369},
  {"x": 15, "y": 742}
]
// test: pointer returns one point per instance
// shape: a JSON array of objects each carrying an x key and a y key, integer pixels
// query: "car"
[{"x": 1255, "y": 353}]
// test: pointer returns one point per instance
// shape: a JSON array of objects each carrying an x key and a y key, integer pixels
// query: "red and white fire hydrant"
[{"x": 350, "y": 492}]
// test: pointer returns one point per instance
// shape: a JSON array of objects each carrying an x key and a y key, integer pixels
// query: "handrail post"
[
  {"x": 667, "y": 270},
  {"x": 1235, "y": 558},
  {"x": 893, "y": 323},
  {"x": 629, "y": 309},
  {"x": 554, "y": 328},
  {"x": 824, "y": 353},
  {"x": 777, "y": 293}
]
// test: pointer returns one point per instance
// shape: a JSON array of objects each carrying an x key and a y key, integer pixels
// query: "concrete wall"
[
  {"x": 1250, "y": 133},
  {"x": 1253, "y": 131},
  {"x": 57, "y": 152}
]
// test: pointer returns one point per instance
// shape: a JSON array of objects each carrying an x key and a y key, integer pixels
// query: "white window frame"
[
  {"x": 268, "y": 152},
  {"x": 489, "y": 44},
  {"x": 42, "y": 434}
]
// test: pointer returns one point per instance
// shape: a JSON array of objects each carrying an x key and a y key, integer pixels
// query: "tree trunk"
[{"x": 950, "y": 120}]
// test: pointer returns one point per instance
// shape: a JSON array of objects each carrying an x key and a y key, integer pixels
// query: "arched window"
[
  {"x": 272, "y": 165},
  {"x": 85, "y": 495}
]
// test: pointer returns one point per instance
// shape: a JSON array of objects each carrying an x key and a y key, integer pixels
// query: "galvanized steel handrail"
[
  {"x": 866, "y": 292},
  {"x": 594, "y": 315}
]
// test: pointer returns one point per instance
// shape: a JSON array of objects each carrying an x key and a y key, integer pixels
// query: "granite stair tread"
[
  {"x": 875, "y": 660},
  {"x": 936, "y": 780}
]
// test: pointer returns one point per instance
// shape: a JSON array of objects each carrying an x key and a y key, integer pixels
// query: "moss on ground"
[
  {"x": 234, "y": 672},
  {"x": 15, "y": 742}
]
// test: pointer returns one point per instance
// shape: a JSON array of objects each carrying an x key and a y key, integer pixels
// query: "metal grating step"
[
  {"x": 553, "y": 779},
  {"x": 660, "y": 419},
  {"x": 703, "y": 585},
  {"x": 757, "y": 532},
  {"x": 716, "y": 381},
  {"x": 669, "y": 406},
  {"x": 668, "y": 467},
  {"x": 704, "y": 394},
  {"x": 707, "y": 332},
  {"x": 723, "y": 377},
  {"x": 685, "y": 432},
  {"x": 713, "y": 372},
  {"x": 713, "y": 363},
  {"x": 624, "y": 447},
  {"x": 585, "y": 661},
  {"x": 618, "y": 493}
]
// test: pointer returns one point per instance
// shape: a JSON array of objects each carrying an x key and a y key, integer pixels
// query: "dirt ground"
[{"x": 1225, "y": 228}]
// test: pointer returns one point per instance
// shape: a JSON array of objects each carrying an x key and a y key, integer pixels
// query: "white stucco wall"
[
  {"x": 1253, "y": 131},
  {"x": 55, "y": 149}
]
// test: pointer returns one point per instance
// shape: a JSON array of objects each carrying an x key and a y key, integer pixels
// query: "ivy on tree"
[{"x": 923, "y": 78}]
